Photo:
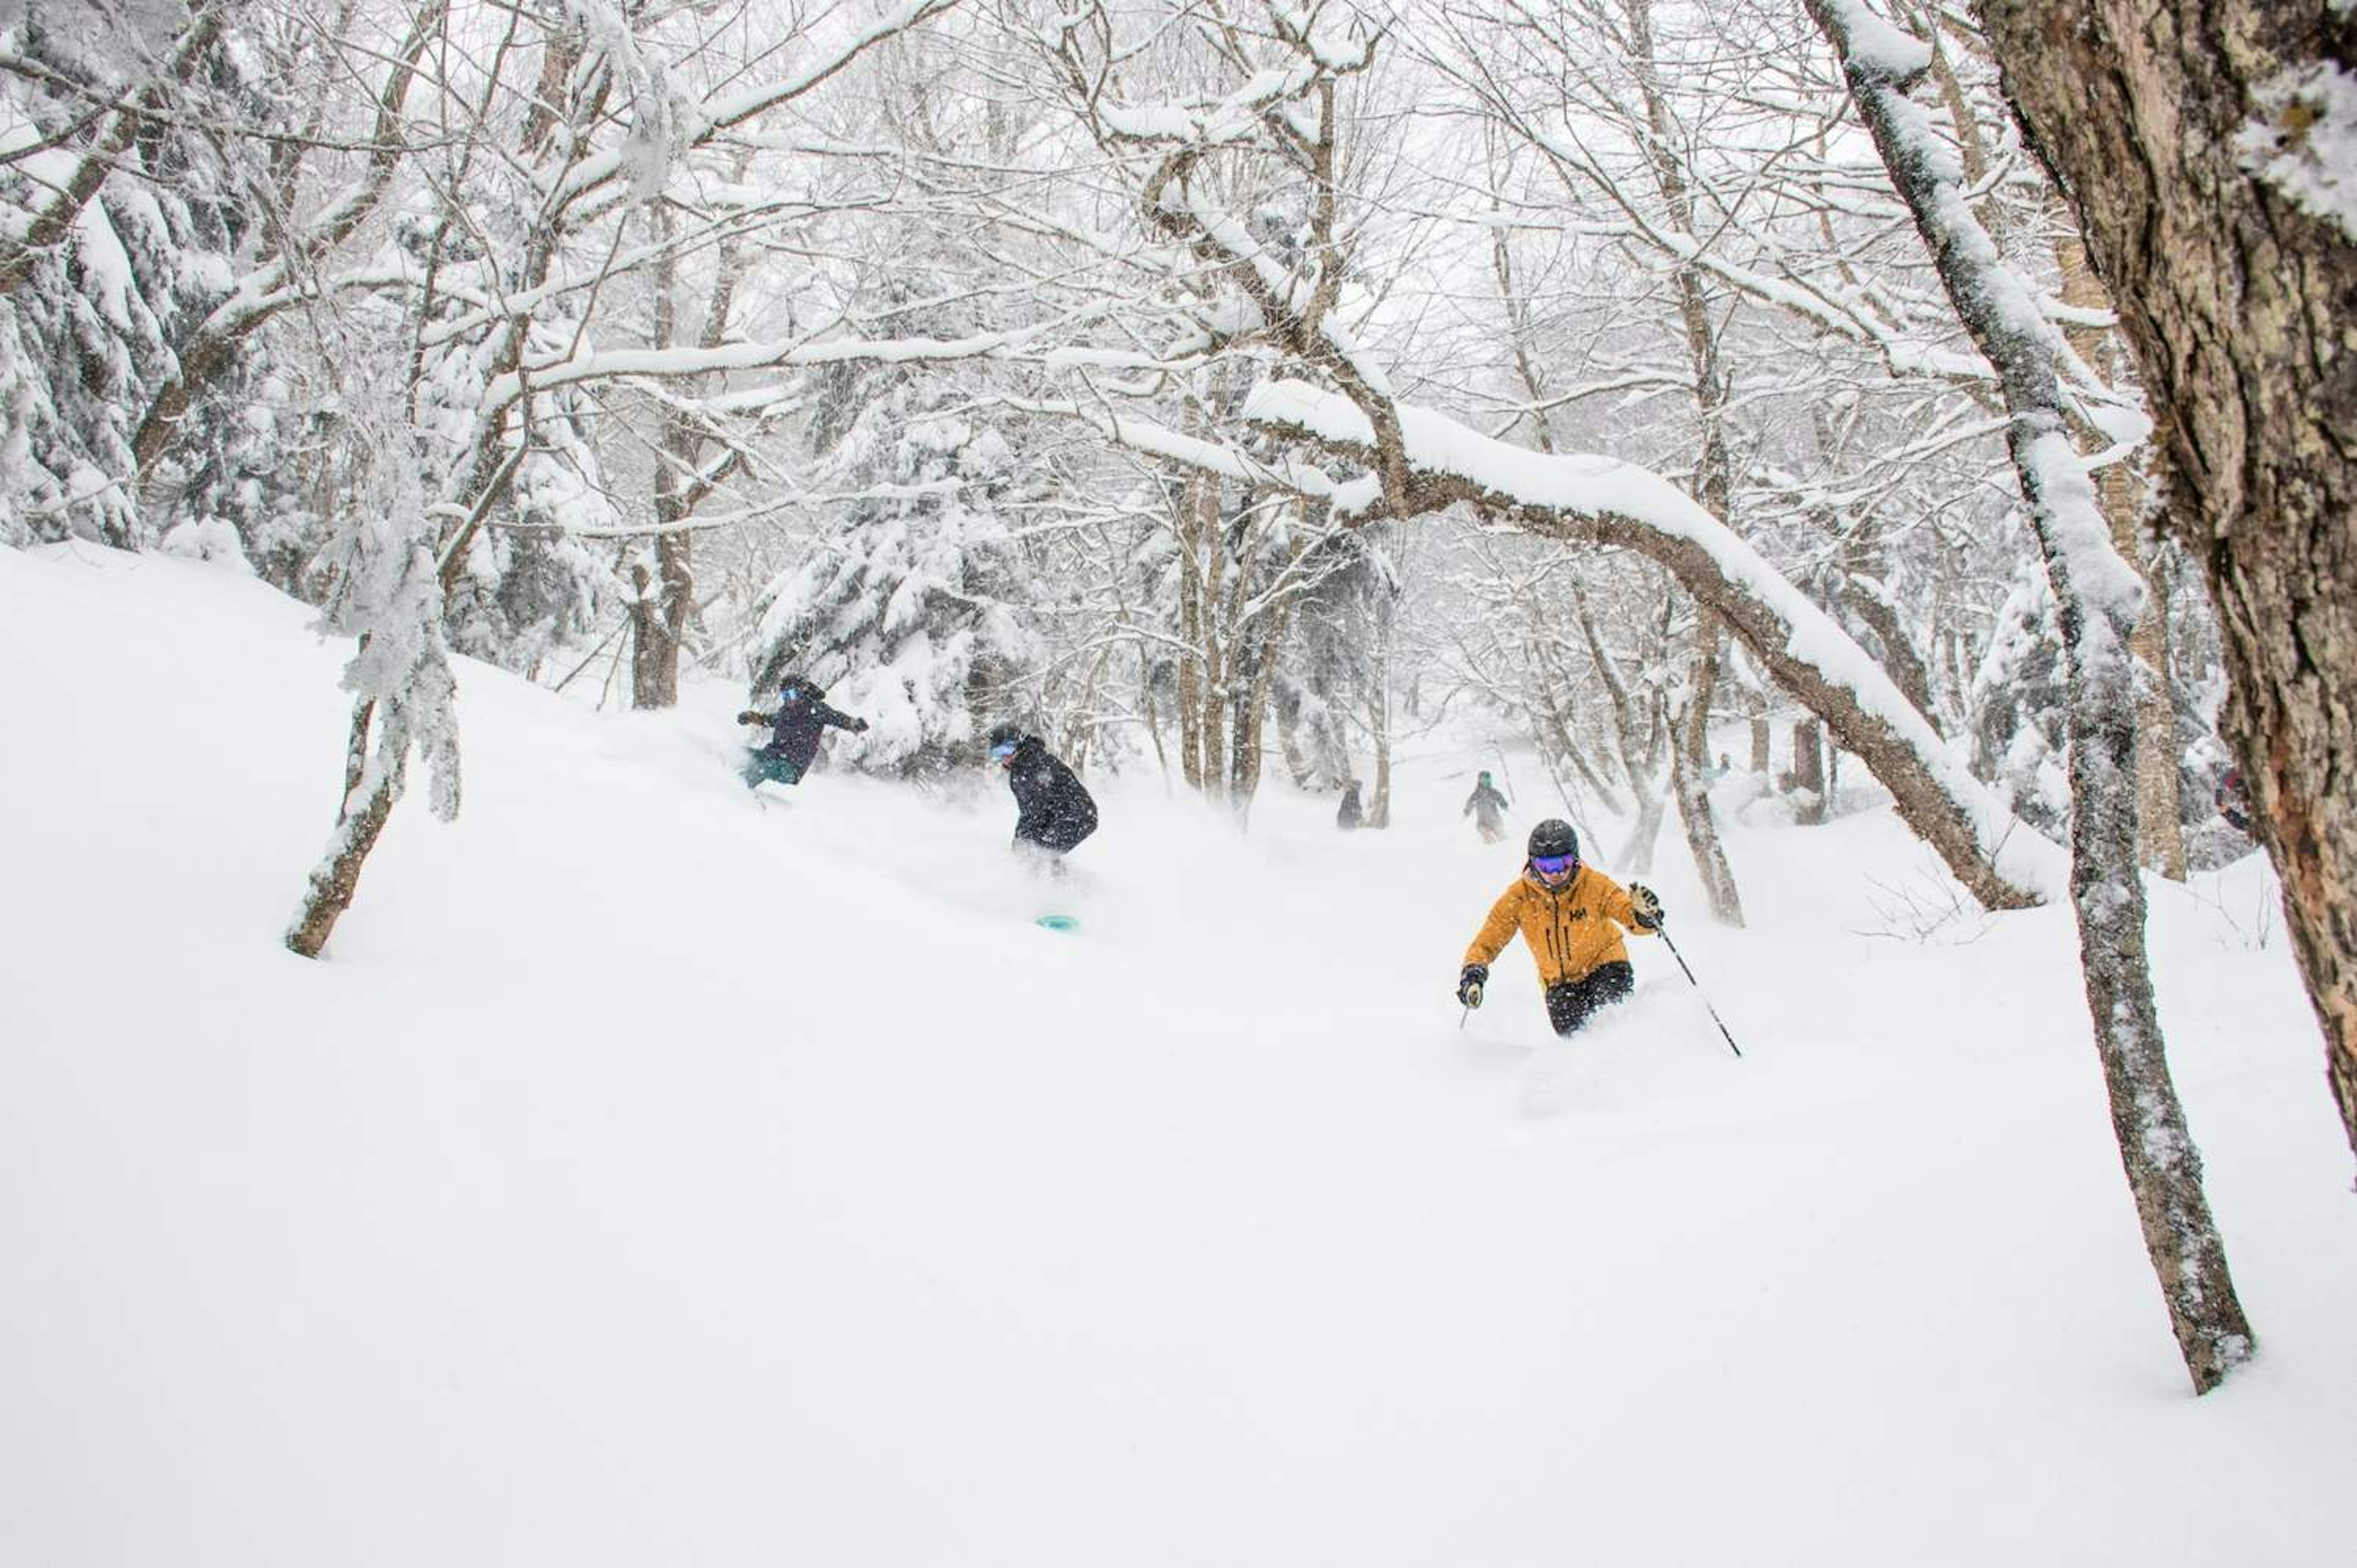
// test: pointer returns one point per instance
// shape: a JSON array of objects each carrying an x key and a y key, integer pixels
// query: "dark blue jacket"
[
  {"x": 1056, "y": 810},
  {"x": 798, "y": 727}
]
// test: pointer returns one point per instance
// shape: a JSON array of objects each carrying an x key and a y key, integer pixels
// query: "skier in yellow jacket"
[{"x": 1571, "y": 916}]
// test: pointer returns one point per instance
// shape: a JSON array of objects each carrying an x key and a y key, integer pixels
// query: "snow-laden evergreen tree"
[
  {"x": 908, "y": 607},
  {"x": 139, "y": 182},
  {"x": 117, "y": 230}
]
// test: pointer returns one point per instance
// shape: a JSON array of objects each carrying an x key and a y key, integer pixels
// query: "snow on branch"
[
  {"x": 588, "y": 363},
  {"x": 1349, "y": 498},
  {"x": 1610, "y": 501},
  {"x": 714, "y": 115}
]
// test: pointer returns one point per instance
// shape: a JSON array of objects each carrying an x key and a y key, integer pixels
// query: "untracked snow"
[{"x": 647, "y": 1177}]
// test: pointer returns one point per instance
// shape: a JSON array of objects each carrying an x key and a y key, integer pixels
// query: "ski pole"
[{"x": 1664, "y": 932}]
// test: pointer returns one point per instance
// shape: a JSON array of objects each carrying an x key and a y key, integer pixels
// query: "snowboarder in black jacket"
[
  {"x": 1493, "y": 806},
  {"x": 1350, "y": 814},
  {"x": 802, "y": 716},
  {"x": 1054, "y": 811}
]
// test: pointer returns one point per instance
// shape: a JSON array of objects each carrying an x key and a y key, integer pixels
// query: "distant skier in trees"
[
  {"x": 1350, "y": 814},
  {"x": 2232, "y": 801},
  {"x": 1491, "y": 806},
  {"x": 1571, "y": 916},
  {"x": 1054, "y": 811},
  {"x": 802, "y": 718}
]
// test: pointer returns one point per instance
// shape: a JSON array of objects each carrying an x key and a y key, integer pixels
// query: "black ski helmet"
[
  {"x": 1553, "y": 837},
  {"x": 801, "y": 689},
  {"x": 1004, "y": 735}
]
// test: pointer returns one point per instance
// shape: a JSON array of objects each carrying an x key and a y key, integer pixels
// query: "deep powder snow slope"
[{"x": 646, "y": 1178}]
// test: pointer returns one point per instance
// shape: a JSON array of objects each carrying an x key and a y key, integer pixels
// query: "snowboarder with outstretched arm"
[
  {"x": 1491, "y": 805},
  {"x": 1571, "y": 916},
  {"x": 1054, "y": 812},
  {"x": 802, "y": 718}
]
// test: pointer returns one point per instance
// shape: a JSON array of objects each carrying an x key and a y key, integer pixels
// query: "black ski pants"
[{"x": 1572, "y": 1004}]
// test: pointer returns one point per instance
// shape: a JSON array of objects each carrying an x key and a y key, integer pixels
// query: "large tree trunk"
[
  {"x": 2177, "y": 128},
  {"x": 2097, "y": 598}
]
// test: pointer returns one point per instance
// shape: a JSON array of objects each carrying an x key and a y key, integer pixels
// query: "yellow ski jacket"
[{"x": 1570, "y": 929}]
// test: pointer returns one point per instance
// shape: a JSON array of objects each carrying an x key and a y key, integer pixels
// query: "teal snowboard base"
[{"x": 1058, "y": 922}]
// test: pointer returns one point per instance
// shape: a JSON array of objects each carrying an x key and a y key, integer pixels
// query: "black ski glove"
[
  {"x": 1648, "y": 907},
  {"x": 1469, "y": 983},
  {"x": 859, "y": 726}
]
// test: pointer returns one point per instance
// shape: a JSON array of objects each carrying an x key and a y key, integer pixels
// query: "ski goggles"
[
  {"x": 1554, "y": 864},
  {"x": 1003, "y": 750}
]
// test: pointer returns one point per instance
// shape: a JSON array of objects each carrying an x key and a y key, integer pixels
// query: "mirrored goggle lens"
[
  {"x": 1552, "y": 865},
  {"x": 790, "y": 693},
  {"x": 1003, "y": 750}
]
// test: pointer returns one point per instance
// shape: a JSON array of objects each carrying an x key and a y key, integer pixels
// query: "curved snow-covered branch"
[
  {"x": 587, "y": 364},
  {"x": 1605, "y": 502}
]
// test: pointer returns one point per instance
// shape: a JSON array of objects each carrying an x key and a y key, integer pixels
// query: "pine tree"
[
  {"x": 909, "y": 608},
  {"x": 107, "y": 284}
]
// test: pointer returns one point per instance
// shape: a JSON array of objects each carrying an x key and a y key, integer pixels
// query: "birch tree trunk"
[
  {"x": 2180, "y": 130},
  {"x": 1689, "y": 756},
  {"x": 2097, "y": 598}
]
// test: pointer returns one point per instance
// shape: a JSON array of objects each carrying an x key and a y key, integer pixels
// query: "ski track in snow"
[{"x": 645, "y": 1177}]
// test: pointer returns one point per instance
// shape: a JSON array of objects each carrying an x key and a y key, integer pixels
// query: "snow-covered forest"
[{"x": 1892, "y": 445}]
